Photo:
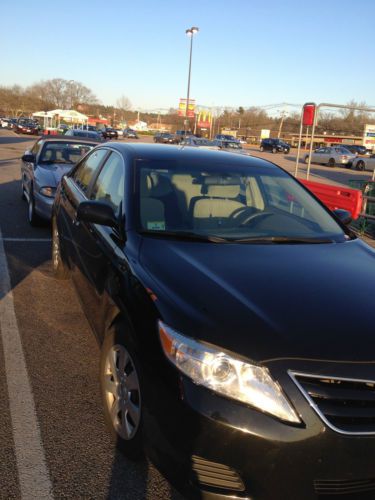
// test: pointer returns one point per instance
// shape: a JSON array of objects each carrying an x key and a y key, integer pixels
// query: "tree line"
[{"x": 58, "y": 93}]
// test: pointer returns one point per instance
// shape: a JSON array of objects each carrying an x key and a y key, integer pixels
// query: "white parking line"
[{"x": 33, "y": 474}]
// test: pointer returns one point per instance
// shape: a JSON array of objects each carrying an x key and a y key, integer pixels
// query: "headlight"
[
  {"x": 226, "y": 375},
  {"x": 48, "y": 191}
]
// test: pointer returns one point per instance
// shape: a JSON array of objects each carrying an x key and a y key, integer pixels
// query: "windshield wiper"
[
  {"x": 187, "y": 235},
  {"x": 283, "y": 240}
]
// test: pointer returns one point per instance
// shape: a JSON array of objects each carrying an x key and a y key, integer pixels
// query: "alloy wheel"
[{"x": 122, "y": 391}]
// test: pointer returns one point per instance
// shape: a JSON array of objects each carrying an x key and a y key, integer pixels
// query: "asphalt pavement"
[{"x": 53, "y": 440}]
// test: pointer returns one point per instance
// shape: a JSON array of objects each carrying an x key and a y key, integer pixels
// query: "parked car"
[
  {"x": 76, "y": 132},
  {"x": 356, "y": 149},
  {"x": 109, "y": 133},
  {"x": 5, "y": 122},
  {"x": 274, "y": 145},
  {"x": 129, "y": 133},
  {"x": 182, "y": 134},
  {"x": 362, "y": 163},
  {"x": 165, "y": 138},
  {"x": 228, "y": 144},
  {"x": 42, "y": 168},
  {"x": 235, "y": 316},
  {"x": 26, "y": 126},
  {"x": 332, "y": 156},
  {"x": 199, "y": 142},
  {"x": 226, "y": 137}
]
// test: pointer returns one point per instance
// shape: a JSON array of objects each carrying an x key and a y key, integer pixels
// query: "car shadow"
[{"x": 9, "y": 139}]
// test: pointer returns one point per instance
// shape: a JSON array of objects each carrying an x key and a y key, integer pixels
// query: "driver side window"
[
  {"x": 109, "y": 187},
  {"x": 84, "y": 173}
]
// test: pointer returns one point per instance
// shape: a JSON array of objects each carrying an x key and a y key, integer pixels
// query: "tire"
[
  {"x": 23, "y": 197},
  {"x": 274, "y": 150},
  {"x": 360, "y": 165},
  {"x": 121, "y": 389},
  {"x": 331, "y": 163},
  {"x": 33, "y": 218},
  {"x": 261, "y": 148},
  {"x": 306, "y": 159},
  {"x": 60, "y": 272}
]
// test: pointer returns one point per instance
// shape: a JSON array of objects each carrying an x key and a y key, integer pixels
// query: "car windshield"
[
  {"x": 64, "y": 152},
  {"x": 229, "y": 202}
]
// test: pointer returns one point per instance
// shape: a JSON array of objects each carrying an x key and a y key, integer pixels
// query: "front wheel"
[
  {"x": 33, "y": 218},
  {"x": 23, "y": 197},
  {"x": 261, "y": 148},
  {"x": 331, "y": 162},
  {"x": 274, "y": 150},
  {"x": 360, "y": 165},
  {"x": 120, "y": 381}
]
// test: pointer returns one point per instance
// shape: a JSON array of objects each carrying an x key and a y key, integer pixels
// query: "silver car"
[
  {"x": 364, "y": 163},
  {"x": 331, "y": 156},
  {"x": 42, "y": 168}
]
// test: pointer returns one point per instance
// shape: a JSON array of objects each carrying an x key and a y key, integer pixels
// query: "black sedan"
[
  {"x": 235, "y": 315},
  {"x": 165, "y": 138},
  {"x": 109, "y": 133}
]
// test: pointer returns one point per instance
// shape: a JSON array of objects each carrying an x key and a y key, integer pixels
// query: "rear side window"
[{"x": 86, "y": 170}]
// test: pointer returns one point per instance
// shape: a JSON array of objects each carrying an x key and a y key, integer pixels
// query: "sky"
[{"x": 247, "y": 53}]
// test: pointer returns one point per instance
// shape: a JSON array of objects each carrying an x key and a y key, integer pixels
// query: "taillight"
[{"x": 344, "y": 157}]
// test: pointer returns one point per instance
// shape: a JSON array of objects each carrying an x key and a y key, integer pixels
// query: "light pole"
[
  {"x": 190, "y": 32},
  {"x": 71, "y": 83}
]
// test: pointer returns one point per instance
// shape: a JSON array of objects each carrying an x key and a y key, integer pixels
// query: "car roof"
[
  {"x": 67, "y": 138},
  {"x": 162, "y": 152}
]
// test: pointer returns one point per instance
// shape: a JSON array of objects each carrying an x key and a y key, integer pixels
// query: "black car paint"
[{"x": 303, "y": 322}]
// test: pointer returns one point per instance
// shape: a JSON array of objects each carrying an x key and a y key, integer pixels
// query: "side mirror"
[
  {"x": 28, "y": 158},
  {"x": 344, "y": 215},
  {"x": 97, "y": 212}
]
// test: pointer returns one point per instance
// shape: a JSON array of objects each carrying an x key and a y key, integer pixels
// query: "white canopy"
[
  {"x": 70, "y": 115},
  {"x": 43, "y": 114}
]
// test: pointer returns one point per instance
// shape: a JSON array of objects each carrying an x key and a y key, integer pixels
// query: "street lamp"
[
  {"x": 190, "y": 33},
  {"x": 71, "y": 83}
]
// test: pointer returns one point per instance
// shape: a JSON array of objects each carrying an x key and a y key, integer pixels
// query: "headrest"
[
  {"x": 146, "y": 184},
  {"x": 223, "y": 191},
  {"x": 161, "y": 185}
]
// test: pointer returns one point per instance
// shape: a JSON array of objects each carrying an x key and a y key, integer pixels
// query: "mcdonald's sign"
[{"x": 182, "y": 108}]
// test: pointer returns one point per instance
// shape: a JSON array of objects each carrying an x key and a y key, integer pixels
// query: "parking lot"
[{"x": 53, "y": 438}]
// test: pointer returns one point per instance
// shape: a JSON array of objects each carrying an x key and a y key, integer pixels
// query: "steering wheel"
[{"x": 244, "y": 215}]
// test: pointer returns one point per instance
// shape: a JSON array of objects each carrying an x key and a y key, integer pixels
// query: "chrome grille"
[
  {"x": 345, "y": 405},
  {"x": 343, "y": 487}
]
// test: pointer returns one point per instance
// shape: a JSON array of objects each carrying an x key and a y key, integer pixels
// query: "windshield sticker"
[{"x": 156, "y": 225}]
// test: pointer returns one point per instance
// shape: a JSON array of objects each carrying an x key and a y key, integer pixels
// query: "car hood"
[
  {"x": 268, "y": 301},
  {"x": 50, "y": 175}
]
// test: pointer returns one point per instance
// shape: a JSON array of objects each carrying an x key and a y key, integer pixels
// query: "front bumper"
[
  {"x": 271, "y": 459},
  {"x": 43, "y": 206}
]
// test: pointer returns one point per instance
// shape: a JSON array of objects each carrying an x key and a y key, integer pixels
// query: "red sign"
[
  {"x": 308, "y": 115},
  {"x": 182, "y": 108},
  {"x": 332, "y": 139}
]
